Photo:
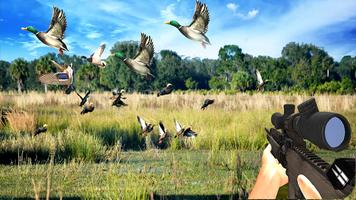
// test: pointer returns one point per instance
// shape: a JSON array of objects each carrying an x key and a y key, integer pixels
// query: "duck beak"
[
  {"x": 167, "y": 22},
  {"x": 23, "y": 28}
]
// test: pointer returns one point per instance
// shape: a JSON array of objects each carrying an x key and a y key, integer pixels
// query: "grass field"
[{"x": 103, "y": 155}]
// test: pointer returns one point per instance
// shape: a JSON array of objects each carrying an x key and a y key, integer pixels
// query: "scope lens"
[{"x": 334, "y": 132}]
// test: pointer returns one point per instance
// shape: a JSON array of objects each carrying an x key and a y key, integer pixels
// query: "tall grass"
[
  {"x": 233, "y": 122},
  {"x": 21, "y": 122}
]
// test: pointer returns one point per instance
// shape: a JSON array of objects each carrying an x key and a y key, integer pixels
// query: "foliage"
[
  {"x": 302, "y": 67},
  {"x": 241, "y": 80},
  {"x": 19, "y": 72},
  {"x": 191, "y": 84}
]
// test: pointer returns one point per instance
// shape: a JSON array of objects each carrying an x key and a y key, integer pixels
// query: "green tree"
[
  {"x": 118, "y": 75},
  {"x": 231, "y": 59},
  {"x": 19, "y": 71},
  {"x": 347, "y": 68},
  {"x": 216, "y": 83},
  {"x": 191, "y": 84},
  {"x": 87, "y": 77},
  {"x": 309, "y": 64},
  {"x": 5, "y": 78},
  {"x": 171, "y": 69},
  {"x": 44, "y": 66},
  {"x": 241, "y": 80}
]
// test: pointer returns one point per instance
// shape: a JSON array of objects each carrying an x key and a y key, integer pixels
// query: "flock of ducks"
[
  {"x": 146, "y": 127},
  {"x": 164, "y": 135},
  {"x": 140, "y": 63}
]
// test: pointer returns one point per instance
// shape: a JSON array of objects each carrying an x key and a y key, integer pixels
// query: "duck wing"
[
  {"x": 87, "y": 95},
  {"x": 58, "y": 24},
  {"x": 58, "y": 66},
  {"x": 259, "y": 77},
  {"x": 97, "y": 54},
  {"x": 81, "y": 98},
  {"x": 142, "y": 123},
  {"x": 178, "y": 126},
  {"x": 146, "y": 51},
  {"x": 201, "y": 18},
  {"x": 59, "y": 78},
  {"x": 162, "y": 131}
]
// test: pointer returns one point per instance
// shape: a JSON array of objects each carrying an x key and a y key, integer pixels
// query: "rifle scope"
[{"x": 327, "y": 130}]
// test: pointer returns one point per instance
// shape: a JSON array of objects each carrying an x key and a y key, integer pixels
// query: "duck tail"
[{"x": 204, "y": 45}]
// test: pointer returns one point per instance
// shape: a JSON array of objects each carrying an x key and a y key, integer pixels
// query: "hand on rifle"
[{"x": 272, "y": 176}]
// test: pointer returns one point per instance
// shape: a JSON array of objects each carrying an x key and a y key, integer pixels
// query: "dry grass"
[
  {"x": 237, "y": 102},
  {"x": 21, "y": 121}
]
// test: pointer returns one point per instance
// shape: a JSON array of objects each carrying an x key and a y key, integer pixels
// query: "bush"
[{"x": 329, "y": 87}]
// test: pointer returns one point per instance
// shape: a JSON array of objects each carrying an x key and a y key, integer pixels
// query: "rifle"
[{"x": 330, "y": 131}]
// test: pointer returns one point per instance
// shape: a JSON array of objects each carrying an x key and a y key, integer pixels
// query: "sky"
[{"x": 258, "y": 27}]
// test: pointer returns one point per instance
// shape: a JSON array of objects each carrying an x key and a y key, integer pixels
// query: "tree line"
[{"x": 301, "y": 67}]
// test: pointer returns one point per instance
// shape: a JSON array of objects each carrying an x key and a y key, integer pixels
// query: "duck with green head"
[
  {"x": 141, "y": 63},
  {"x": 54, "y": 36},
  {"x": 197, "y": 29}
]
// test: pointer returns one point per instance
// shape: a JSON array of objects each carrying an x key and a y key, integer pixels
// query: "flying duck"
[
  {"x": 70, "y": 89},
  {"x": 198, "y": 27},
  {"x": 63, "y": 77},
  {"x": 54, "y": 36},
  {"x": 88, "y": 108},
  {"x": 166, "y": 90},
  {"x": 141, "y": 63},
  {"x": 145, "y": 127},
  {"x": 260, "y": 81},
  {"x": 95, "y": 58},
  {"x": 118, "y": 102},
  {"x": 163, "y": 134},
  {"x": 83, "y": 99},
  {"x": 206, "y": 103},
  {"x": 116, "y": 93},
  {"x": 187, "y": 132},
  {"x": 40, "y": 129}
]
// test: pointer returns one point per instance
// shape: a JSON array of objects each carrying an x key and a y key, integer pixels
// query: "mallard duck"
[
  {"x": 95, "y": 58},
  {"x": 116, "y": 93},
  {"x": 69, "y": 89},
  {"x": 145, "y": 127},
  {"x": 206, "y": 103},
  {"x": 141, "y": 63},
  {"x": 163, "y": 134},
  {"x": 197, "y": 29},
  {"x": 40, "y": 129},
  {"x": 260, "y": 81},
  {"x": 54, "y": 36},
  {"x": 63, "y": 77},
  {"x": 186, "y": 132},
  {"x": 88, "y": 108},
  {"x": 83, "y": 99},
  {"x": 118, "y": 102},
  {"x": 166, "y": 90}
]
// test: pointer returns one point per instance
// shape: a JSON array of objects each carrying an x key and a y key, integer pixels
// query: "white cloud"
[
  {"x": 32, "y": 44},
  {"x": 94, "y": 35},
  {"x": 252, "y": 13},
  {"x": 232, "y": 6},
  {"x": 168, "y": 14},
  {"x": 302, "y": 23},
  {"x": 111, "y": 7}
]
